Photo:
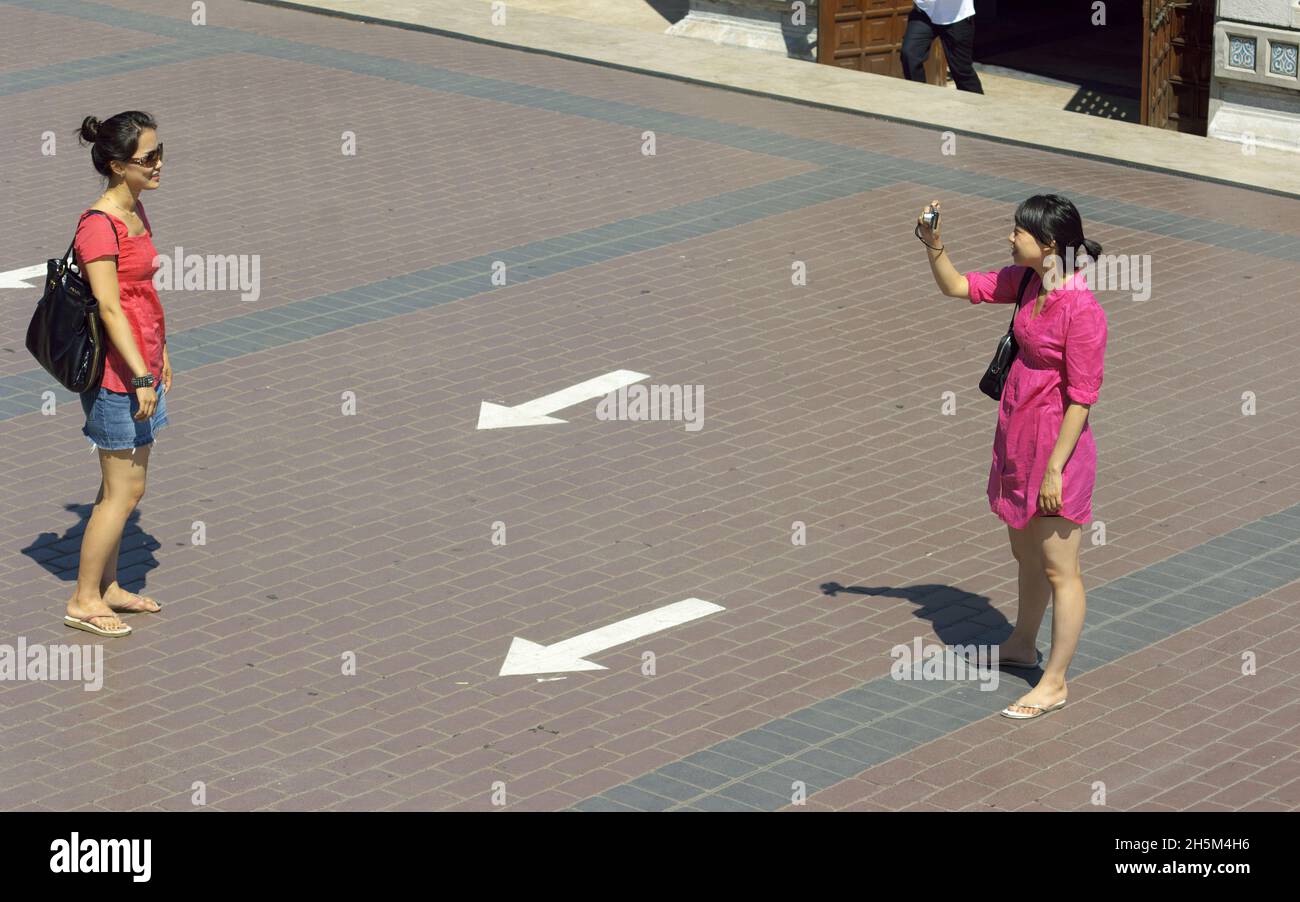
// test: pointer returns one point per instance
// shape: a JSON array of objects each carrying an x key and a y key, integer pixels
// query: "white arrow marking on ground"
[
  {"x": 536, "y": 412},
  {"x": 529, "y": 657},
  {"x": 18, "y": 278}
]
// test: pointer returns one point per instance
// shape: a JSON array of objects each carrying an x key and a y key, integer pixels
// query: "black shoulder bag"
[
  {"x": 65, "y": 335},
  {"x": 996, "y": 375}
]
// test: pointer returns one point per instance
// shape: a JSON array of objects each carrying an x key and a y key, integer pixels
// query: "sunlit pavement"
[{"x": 345, "y": 559}]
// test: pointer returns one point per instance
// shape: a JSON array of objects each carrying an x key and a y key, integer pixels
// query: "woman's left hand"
[
  {"x": 1049, "y": 493},
  {"x": 166, "y": 371}
]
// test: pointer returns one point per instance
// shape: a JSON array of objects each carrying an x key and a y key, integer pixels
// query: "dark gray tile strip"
[
  {"x": 298, "y": 320},
  {"x": 129, "y": 19},
  {"x": 846, "y": 171},
  {"x": 840, "y": 737},
  {"x": 357, "y": 16},
  {"x": 215, "y": 38},
  {"x": 70, "y": 71}
]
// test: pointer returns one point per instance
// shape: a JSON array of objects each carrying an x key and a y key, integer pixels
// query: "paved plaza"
[{"x": 345, "y": 559}]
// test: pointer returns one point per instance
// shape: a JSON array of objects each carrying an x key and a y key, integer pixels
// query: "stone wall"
[{"x": 1255, "y": 89}]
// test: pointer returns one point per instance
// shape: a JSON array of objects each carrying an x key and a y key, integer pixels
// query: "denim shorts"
[{"x": 109, "y": 423}]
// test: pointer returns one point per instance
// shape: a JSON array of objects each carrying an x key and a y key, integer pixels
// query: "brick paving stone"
[{"x": 678, "y": 267}]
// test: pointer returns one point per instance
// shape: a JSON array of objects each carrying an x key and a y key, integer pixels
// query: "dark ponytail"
[
  {"x": 1051, "y": 217},
  {"x": 113, "y": 139}
]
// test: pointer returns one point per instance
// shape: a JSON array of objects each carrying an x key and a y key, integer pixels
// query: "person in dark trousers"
[{"x": 954, "y": 22}]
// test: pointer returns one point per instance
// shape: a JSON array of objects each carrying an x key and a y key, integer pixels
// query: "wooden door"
[
  {"x": 1177, "y": 51},
  {"x": 867, "y": 35}
]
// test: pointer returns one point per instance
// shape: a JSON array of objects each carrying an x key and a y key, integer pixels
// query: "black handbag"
[
  {"x": 996, "y": 375},
  {"x": 65, "y": 335}
]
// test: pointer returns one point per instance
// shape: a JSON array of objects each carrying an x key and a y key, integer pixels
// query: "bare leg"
[
  {"x": 120, "y": 491},
  {"x": 110, "y": 564},
  {"x": 1035, "y": 589},
  {"x": 114, "y": 595},
  {"x": 1059, "y": 540}
]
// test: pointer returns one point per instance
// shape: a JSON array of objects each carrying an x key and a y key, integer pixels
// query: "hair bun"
[{"x": 90, "y": 128}]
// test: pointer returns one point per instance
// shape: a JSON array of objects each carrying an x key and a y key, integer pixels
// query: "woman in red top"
[{"x": 114, "y": 249}]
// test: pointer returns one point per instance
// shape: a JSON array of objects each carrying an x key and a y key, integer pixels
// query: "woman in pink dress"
[
  {"x": 114, "y": 249},
  {"x": 1044, "y": 457}
]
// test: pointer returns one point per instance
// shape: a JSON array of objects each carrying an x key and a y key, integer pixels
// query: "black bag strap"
[
  {"x": 1024, "y": 283},
  {"x": 67, "y": 257}
]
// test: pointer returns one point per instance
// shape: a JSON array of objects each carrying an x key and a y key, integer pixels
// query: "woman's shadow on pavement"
[
  {"x": 61, "y": 554},
  {"x": 958, "y": 617}
]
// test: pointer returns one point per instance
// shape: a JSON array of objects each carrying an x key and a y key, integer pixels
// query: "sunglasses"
[{"x": 152, "y": 157}]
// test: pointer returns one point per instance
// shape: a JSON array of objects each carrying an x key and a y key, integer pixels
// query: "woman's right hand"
[
  {"x": 148, "y": 399},
  {"x": 930, "y": 235}
]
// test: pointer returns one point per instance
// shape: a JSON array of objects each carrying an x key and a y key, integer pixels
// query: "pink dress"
[{"x": 1059, "y": 361}]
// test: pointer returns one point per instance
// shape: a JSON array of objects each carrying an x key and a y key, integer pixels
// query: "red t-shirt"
[{"x": 140, "y": 303}]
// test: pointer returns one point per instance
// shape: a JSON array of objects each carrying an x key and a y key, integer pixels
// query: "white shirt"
[{"x": 945, "y": 12}]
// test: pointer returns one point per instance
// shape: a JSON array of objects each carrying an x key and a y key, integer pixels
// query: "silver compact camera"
[{"x": 930, "y": 218}]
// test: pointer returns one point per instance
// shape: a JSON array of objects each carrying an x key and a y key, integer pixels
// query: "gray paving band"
[
  {"x": 845, "y": 171},
  {"x": 1122, "y": 91},
  {"x": 70, "y": 71},
  {"x": 298, "y": 320},
  {"x": 840, "y": 737},
  {"x": 210, "y": 39},
  {"x": 284, "y": 323}
]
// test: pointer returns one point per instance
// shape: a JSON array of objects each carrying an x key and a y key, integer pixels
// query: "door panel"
[
  {"x": 867, "y": 34},
  {"x": 1177, "y": 50}
]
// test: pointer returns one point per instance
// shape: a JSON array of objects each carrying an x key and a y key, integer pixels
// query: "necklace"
[{"x": 119, "y": 206}]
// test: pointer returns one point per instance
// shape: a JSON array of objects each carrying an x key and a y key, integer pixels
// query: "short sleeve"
[
  {"x": 996, "y": 286},
  {"x": 1085, "y": 350},
  {"x": 96, "y": 237}
]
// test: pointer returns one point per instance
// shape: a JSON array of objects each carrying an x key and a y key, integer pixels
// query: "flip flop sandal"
[
  {"x": 140, "y": 610},
  {"x": 81, "y": 623},
  {"x": 1007, "y": 662},
  {"x": 1016, "y": 715}
]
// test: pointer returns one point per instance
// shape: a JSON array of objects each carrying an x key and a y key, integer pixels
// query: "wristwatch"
[{"x": 145, "y": 381}]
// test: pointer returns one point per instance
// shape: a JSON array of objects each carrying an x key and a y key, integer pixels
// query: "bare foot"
[
  {"x": 96, "y": 612},
  {"x": 119, "y": 599},
  {"x": 1044, "y": 695}
]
